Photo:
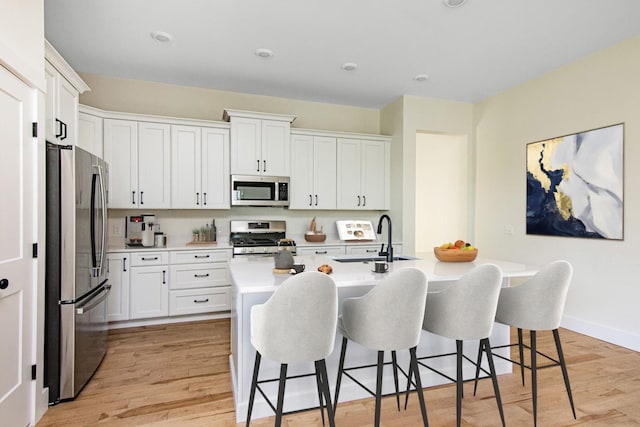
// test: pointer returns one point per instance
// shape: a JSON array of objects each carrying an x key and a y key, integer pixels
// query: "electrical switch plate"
[
  {"x": 508, "y": 229},
  {"x": 117, "y": 230}
]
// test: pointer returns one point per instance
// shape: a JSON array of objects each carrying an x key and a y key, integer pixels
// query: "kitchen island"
[{"x": 253, "y": 282}]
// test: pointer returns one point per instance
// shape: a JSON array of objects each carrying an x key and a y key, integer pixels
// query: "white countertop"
[
  {"x": 183, "y": 247},
  {"x": 252, "y": 275}
]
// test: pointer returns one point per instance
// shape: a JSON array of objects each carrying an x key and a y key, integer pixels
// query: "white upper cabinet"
[
  {"x": 90, "y": 133},
  {"x": 260, "y": 143},
  {"x": 313, "y": 172},
  {"x": 199, "y": 168},
  {"x": 64, "y": 87},
  {"x": 363, "y": 174},
  {"x": 138, "y": 154}
]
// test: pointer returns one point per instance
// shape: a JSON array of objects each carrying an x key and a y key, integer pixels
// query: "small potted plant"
[{"x": 195, "y": 232}]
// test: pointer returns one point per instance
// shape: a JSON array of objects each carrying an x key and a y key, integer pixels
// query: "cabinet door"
[
  {"x": 216, "y": 184},
  {"x": 301, "y": 189},
  {"x": 246, "y": 146},
  {"x": 149, "y": 292},
  {"x": 320, "y": 250},
  {"x": 118, "y": 301},
  {"x": 51, "y": 100},
  {"x": 325, "y": 168},
  {"x": 186, "y": 160},
  {"x": 374, "y": 181},
  {"x": 154, "y": 161},
  {"x": 121, "y": 153},
  {"x": 68, "y": 111},
  {"x": 275, "y": 148},
  {"x": 90, "y": 134},
  {"x": 348, "y": 174}
]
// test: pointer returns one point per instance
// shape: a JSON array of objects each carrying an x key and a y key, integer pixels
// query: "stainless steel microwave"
[{"x": 248, "y": 190}]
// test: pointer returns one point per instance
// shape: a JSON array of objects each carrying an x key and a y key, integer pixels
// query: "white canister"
[{"x": 147, "y": 236}]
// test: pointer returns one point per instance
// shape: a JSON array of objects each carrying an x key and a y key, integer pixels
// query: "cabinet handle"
[
  {"x": 321, "y": 252},
  {"x": 64, "y": 133},
  {"x": 258, "y": 169},
  {"x": 199, "y": 301},
  {"x": 310, "y": 200},
  {"x": 372, "y": 250},
  {"x": 142, "y": 197},
  {"x": 205, "y": 198},
  {"x": 197, "y": 198},
  {"x": 164, "y": 277},
  {"x": 358, "y": 201},
  {"x": 133, "y": 197},
  {"x": 364, "y": 200},
  {"x": 316, "y": 200},
  {"x": 58, "y": 128},
  {"x": 201, "y": 275},
  {"x": 155, "y": 258},
  {"x": 201, "y": 256},
  {"x": 264, "y": 169},
  {"x": 124, "y": 264}
]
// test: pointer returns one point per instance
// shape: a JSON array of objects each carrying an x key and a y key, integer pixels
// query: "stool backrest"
[
  {"x": 389, "y": 316},
  {"x": 465, "y": 309},
  {"x": 538, "y": 303},
  {"x": 298, "y": 323}
]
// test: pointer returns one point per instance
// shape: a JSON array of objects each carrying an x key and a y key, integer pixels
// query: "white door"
[
  {"x": 186, "y": 161},
  {"x": 216, "y": 185},
  {"x": 276, "y": 139},
  {"x": 154, "y": 163},
  {"x": 149, "y": 291},
  {"x": 121, "y": 153},
  {"x": 301, "y": 189},
  {"x": 17, "y": 109},
  {"x": 324, "y": 167}
]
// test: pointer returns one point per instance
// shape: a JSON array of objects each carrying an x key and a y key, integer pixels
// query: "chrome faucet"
[{"x": 389, "y": 252}]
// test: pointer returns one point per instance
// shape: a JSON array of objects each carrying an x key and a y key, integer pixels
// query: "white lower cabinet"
[
  {"x": 149, "y": 295},
  {"x": 372, "y": 250},
  {"x": 320, "y": 250},
  {"x": 118, "y": 301},
  {"x": 199, "y": 282}
]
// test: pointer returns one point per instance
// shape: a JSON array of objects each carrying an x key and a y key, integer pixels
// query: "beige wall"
[
  {"x": 599, "y": 90},
  {"x": 144, "y": 97},
  {"x": 22, "y": 39}
]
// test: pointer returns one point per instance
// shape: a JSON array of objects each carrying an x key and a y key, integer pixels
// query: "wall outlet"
[
  {"x": 508, "y": 229},
  {"x": 117, "y": 230}
]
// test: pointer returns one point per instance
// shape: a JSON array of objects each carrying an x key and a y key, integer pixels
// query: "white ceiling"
[{"x": 470, "y": 52}]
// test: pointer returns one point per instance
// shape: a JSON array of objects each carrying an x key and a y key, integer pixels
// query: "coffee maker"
[{"x": 139, "y": 230}]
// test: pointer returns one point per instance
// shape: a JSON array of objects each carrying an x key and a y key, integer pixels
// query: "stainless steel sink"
[{"x": 356, "y": 258}]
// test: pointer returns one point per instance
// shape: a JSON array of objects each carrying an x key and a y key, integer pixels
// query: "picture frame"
[{"x": 575, "y": 184}]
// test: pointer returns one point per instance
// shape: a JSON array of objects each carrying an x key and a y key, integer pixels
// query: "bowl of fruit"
[{"x": 460, "y": 251}]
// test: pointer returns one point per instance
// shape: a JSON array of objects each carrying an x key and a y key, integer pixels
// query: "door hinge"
[
  {"x": 34, "y": 129},
  {"x": 33, "y": 372},
  {"x": 34, "y": 250}
]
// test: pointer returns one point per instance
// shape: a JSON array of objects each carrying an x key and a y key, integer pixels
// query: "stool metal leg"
[
  {"x": 283, "y": 380},
  {"x": 478, "y": 364},
  {"x": 343, "y": 352},
  {"x": 459, "y": 384},
  {"x": 379, "y": 387},
  {"x": 321, "y": 370},
  {"x": 534, "y": 377},
  {"x": 320, "y": 399},
  {"x": 414, "y": 368},
  {"x": 494, "y": 377},
  {"x": 395, "y": 376},
  {"x": 254, "y": 384},
  {"x": 565, "y": 374},
  {"x": 521, "y": 353}
]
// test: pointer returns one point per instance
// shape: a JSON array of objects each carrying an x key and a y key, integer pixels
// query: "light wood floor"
[{"x": 178, "y": 375}]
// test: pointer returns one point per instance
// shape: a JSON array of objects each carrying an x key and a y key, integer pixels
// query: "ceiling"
[{"x": 469, "y": 53}]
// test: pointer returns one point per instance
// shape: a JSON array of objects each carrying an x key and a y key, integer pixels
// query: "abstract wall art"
[{"x": 575, "y": 185}]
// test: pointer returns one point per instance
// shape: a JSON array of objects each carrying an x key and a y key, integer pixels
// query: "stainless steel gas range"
[{"x": 259, "y": 238}]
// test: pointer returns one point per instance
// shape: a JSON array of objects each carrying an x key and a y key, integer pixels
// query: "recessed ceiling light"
[
  {"x": 161, "y": 36},
  {"x": 264, "y": 53},
  {"x": 421, "y": 77},
  {"x": 349, "y": 66},
  {"x": 454, "y": 3}
]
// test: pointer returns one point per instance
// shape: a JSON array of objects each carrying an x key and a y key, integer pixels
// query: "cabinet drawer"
[
  {"x": 321, "y": 250},
  {"x": 196, "y": 257},
  {"x": 363, "y": 250},
  {"x": 188, "y": 276},
  {"x": 199, "y": 301},
  {"x": 149, "y": 258}
]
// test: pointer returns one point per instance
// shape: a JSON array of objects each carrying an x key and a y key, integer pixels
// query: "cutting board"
[{"x": 356, "y": 230}]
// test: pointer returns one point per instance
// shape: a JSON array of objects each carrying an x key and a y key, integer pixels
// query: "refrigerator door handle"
[
  {"x": 91, "y": 303},
  {"x": 99, "y": 269}
]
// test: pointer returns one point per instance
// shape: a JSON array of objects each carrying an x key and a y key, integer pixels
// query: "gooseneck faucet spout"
[{"x": 389, "y": 252}]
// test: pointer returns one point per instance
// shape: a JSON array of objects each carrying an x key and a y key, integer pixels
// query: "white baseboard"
[
  {"x": 170, "y": 319},
  {"x": 602, "y": 332}
]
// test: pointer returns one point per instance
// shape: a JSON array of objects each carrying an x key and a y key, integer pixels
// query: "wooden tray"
[
  {"x": 281, "y": 270},
  {"x": 455, "y": 255}
]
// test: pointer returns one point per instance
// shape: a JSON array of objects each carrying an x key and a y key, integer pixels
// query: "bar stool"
[
  {"x": 387, "y": 318},
  {"x": 465, "y": 310},
  {"x": 297, "y": 324},
  {"x": 537, "y": 305}
]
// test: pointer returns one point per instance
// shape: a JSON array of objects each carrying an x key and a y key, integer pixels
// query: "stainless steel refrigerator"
[{"x": 76, "y": 284}]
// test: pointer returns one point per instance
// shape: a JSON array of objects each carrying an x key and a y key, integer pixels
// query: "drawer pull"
[
  {"x": 200, "y": 301},
  {"x": 371, "y": 251},
  {"x": 201, "y": 256},
  {"x": 155, "y": 258},
  {"x": 201, "y": 275},
  {"x": 321, "y": 252}
]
